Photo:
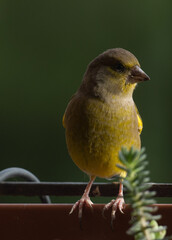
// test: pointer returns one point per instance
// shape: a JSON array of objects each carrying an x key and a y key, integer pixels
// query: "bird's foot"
[
  {"x": 115, "y": 204},
  {"x": 85, "y": 200}
]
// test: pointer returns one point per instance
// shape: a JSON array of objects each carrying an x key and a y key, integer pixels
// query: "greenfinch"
[{"x": 102, "y": 117}]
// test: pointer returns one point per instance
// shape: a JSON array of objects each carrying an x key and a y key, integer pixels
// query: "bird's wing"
[
  {"x": 140, "y": 123},
  {"x": 63, "y": 120}
]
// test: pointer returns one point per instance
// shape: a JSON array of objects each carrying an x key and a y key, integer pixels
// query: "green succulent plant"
[{"x": 143, "y": 222}]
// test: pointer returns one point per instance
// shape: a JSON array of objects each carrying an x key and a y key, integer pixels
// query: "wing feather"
[{"x": 140, "y": 122}]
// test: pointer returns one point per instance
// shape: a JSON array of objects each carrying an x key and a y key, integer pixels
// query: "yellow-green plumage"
[
  {"x": 102, "y": 117},
  {"x": 96, "y": 131}
]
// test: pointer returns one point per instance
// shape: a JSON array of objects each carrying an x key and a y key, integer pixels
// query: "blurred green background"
[{"x": 45, "y": 47}]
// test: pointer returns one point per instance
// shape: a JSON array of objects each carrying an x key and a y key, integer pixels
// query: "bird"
[{"x": 101, "y": 118}]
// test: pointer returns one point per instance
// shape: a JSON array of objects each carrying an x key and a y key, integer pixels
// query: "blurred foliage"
[
  {"x": 143, "y": 222},
  {"x": 45, "y": 47}
]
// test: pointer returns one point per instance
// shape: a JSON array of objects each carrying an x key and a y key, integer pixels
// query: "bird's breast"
[{"x": 96, "y": 131}]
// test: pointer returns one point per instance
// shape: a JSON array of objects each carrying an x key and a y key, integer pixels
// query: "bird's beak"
[{"x": 137, "y": 75}]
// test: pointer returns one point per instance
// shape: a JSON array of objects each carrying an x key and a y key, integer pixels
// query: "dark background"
[{"x": 45, "y": 47}]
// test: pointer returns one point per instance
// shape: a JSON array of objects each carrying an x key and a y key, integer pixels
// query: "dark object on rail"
[
  {"x": 16, "y": 172},
  {"x": 72, "y": 189}
]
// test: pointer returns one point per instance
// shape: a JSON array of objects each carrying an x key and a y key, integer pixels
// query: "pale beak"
[{"x": 137, "y": 75}]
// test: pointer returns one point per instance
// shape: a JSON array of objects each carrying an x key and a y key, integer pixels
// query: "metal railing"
[{"x": 33, "y": 187}]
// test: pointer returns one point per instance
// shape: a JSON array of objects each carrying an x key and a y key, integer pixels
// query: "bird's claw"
[
  {"x": 85, "y": 200},
  {"x": 108, "y": 206},
  {"x": 115, "y": 204}
]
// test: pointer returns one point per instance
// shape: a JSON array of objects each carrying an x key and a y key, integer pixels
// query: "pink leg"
[
  {"x": 116, "y": 204},
  {"x": 85, "y": 199}
]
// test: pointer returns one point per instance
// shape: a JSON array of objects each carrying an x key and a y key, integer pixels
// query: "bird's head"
[{"x": 114, "y": 72}]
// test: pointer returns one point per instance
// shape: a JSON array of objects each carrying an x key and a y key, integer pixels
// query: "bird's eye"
[{"x": 118, "y": 67}]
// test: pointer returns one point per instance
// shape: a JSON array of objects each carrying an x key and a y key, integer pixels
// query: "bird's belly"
[{"x": 95, "y": 143}]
